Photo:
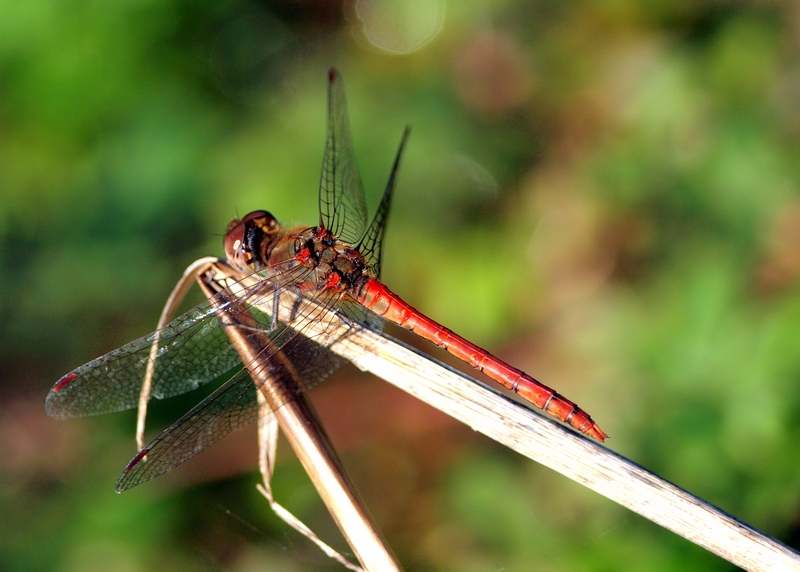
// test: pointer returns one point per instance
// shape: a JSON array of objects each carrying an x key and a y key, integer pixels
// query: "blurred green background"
[{"x": 605, "y": 194}]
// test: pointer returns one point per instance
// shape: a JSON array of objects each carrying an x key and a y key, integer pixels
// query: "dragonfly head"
[{"x": 249, "y": 241}]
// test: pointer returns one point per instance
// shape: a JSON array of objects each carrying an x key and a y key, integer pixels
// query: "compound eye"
[
  {"x": 234, "y": 245},
  {"x": 260, "y": 219},
  {"x": 248, "y": 241}
]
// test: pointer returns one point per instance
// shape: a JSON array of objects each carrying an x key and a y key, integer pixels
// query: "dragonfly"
[{"x": 331, "y": 269}]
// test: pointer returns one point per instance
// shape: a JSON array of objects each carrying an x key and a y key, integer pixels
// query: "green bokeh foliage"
[{"x": 607, "y": 195}]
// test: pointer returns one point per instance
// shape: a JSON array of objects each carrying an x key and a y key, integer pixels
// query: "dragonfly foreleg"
[{"x": 259, "y": 301}]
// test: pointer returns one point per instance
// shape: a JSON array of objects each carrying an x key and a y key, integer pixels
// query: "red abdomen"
[{"x": 378, "y": 298}]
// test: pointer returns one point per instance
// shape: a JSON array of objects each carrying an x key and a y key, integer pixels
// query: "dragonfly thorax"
[
  {"x": 333, "y": 263},
  {"x": 258, "y": 242}
]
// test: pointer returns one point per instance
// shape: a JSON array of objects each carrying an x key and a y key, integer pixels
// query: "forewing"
[
  {"x": 342, "y": 204},
  {"x": 193, "y": 349}
]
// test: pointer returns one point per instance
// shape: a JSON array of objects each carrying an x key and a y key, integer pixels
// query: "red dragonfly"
[{"x": 335, "y": 264}]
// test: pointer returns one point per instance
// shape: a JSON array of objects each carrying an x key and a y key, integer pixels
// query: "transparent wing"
[
  {"x": 372, "y": 241},
  {"x": 287, "y": 351},
  {"x": 193, "y": 349},
  {"x": 342, "y": 204},
  {"x": 231, "y": 407}
]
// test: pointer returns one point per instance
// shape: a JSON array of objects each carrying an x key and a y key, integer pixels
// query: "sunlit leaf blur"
[{"x": 605, "y": 194}]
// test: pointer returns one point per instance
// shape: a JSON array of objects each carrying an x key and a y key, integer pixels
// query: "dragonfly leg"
[
  {"x": 273, "y": 316},
  {"x": 296, "y": 305},
  {"x": 276, "y": 304}
]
